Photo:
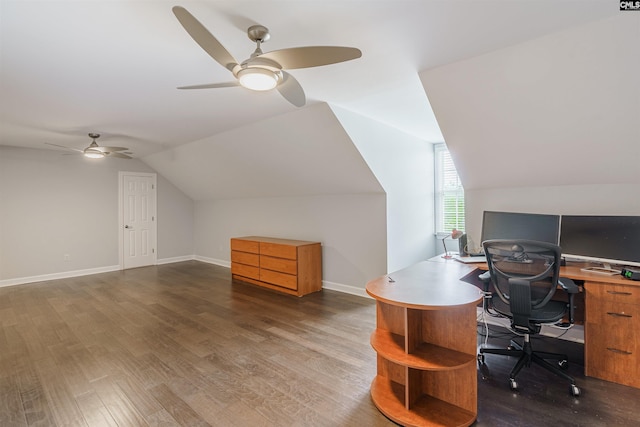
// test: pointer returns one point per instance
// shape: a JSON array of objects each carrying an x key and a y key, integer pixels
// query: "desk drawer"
[
  {"x": 612, "y": 350},
  {"x": 282, "y": 265},
  {"x": 610, "y": 292},
  {"x": 280, "y": 279},
  {"x": 245, "y": 258}
]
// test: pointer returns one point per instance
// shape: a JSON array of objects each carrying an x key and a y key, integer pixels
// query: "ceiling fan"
[
  {"x": 94, "y": 151},
  {"x": 263, "y": 71}
]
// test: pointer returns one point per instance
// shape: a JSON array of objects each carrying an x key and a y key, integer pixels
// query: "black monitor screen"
[
  {"x": 514, "y": 225},
  {"x": 614, "y": 239}
]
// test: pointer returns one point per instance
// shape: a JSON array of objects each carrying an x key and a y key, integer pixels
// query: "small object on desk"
[
  {"x": 470, "y": 259},
  {"x": 601, "y": 270},
  {"x": 455, "y": 234},
  {"x": 631, "y": 273}
]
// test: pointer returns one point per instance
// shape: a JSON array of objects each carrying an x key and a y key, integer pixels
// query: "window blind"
[{"x": 449, "y": 193}]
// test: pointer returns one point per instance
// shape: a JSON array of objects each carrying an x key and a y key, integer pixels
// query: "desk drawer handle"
[
  {"x": 618, "y": 314},
  {"x": 615, "y": 350},
  {"x": 619, "y": 293}
]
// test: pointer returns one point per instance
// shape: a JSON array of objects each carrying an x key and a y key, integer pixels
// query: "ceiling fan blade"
[
  {"x": 116, "y": 154},
  {"x": 204, "y": 38},
  {"x": 66, "y": 148},
  {"x": 211, "y": 85},
  {"x": 291, "y": 90},
  {"x": 109, "y": 149},
  {"x": 312, "y": 56}
]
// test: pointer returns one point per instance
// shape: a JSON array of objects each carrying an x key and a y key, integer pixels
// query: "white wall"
[
  {"x": 52, "y": 205},
  {"x": 604, "y": 199},
  {"x": 351, "y": 228},
  {"x": 403, "y": 164}
]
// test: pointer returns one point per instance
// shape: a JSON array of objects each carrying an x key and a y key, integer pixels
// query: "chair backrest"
[{"x": 524, "y": 274}]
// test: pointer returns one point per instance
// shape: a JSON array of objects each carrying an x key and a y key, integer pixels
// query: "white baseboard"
[
  {"x": 347, "y": 289},
  {"x": 352, "y": 290},
  {"x": 575, "y": 333},
  {"x": 220, "y": 262},
  {"x": 55, "y": 276},
  {"x": 175, "y": 259}
]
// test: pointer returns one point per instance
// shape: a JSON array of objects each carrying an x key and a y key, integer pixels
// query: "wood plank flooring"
[{"x": 180, "y": 345}]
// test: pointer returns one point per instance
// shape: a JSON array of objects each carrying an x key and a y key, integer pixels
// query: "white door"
[{"x": 138, "y": 219}]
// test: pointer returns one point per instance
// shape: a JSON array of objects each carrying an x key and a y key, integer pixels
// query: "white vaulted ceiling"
[{"x": 70, "y": 67}]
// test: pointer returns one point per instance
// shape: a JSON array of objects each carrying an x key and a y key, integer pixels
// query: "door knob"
[{"x": 127, "y": 226}]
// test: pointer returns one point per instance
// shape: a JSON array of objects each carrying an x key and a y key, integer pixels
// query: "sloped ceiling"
[
  {"x": 562, "y": 109},
  {"x": 112, "y": 67},
  {"x": 302, "y": 153}
]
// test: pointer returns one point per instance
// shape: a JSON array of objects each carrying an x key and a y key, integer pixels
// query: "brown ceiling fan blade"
[
  {"x": 291, "y": 90},
  {"x": 66, "y": 148},
  {"x": 312, "y": 56},
  {"x": 116, "y": 154},
  {"x": 109, "y": 149},
  {"x": 211, "y": 85},
  {"x": 204, "y": 38}
]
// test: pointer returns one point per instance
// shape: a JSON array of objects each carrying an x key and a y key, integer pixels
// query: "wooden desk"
[
  {"x": 612, "y": 326},
  {"x": 426, "y": 343},
  {"x": 611, "y": 323}
]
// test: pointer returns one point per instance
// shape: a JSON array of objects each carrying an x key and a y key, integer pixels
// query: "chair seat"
[{"x": 550, "y": 313}]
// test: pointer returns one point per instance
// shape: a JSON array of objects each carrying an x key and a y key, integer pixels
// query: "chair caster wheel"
[
  {"x": 563, "y": 364},
  {"x": 575, "y": 391},
  {"x": 513, "y": 384}
]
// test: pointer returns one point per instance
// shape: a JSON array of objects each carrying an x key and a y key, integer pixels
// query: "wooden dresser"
[{"x": 290, "y": 266}]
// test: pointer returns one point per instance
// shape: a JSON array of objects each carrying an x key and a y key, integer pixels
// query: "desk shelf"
[
  {"x": 389, "y": 396},
  {"x": 426, "y": 356},
  {"x": 425, "y": 340}
]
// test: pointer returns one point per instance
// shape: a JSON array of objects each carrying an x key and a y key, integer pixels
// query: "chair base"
[{"x": 526, "y": 356}]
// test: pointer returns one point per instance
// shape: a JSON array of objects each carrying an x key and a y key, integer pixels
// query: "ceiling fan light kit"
[
  {"x": 93, "y": 154},
  {"x": 94, "y": 151},
  {"x": 263, "y": 71},
  {"x": 259, "y": 79}
]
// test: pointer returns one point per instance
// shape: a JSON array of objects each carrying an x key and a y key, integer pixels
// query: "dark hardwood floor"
[{"x": 180, "y": 345}]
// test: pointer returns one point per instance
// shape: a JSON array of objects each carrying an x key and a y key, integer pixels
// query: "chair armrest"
[{"x": 568, "y": 285}]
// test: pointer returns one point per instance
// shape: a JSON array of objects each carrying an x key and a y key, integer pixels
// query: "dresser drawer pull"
[
  {"x": 615, "y": 350},
  {"x": 619, "y": 293},
  {"x": 618, "y": 314}
]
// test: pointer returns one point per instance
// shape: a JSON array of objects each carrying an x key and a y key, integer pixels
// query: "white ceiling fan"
[
  {"x": 263, "y": 71},
  {"x": 94, "y": 151}
]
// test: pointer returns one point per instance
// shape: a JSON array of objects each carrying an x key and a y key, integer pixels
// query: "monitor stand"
[{"x": 605, "y": 270}]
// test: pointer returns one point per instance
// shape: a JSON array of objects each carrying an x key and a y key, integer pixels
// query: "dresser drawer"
[
  {"x": 278, "y": 250},
  {"x": 245, "y": 270},
  {"x": 280, "y": 279},
  {"x": 610, "y": 292},
  {"x": 245, "y": 246},
  {"x": 245, "y": 258},
  {"x": 282, "y": 265}
]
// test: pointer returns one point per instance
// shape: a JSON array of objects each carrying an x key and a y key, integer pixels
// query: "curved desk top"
[{"x": 426, "y": 285}]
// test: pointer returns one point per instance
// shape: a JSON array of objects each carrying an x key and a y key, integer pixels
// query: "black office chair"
[{"x": 525, "y": 276}]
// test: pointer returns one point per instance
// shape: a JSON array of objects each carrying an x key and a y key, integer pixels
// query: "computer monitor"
[
  {"x": 516, "y": 225},
  {"x": 604, "y": 239}
]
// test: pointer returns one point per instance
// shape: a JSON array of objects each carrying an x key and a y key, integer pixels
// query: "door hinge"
[
  {"x": 153, "y": 218},
  {"x": 153, "y": 251},
  {"x": 153, "y": 186}
]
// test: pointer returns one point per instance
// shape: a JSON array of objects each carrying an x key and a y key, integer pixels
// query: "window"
[{"x": 449, "y": 192}]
